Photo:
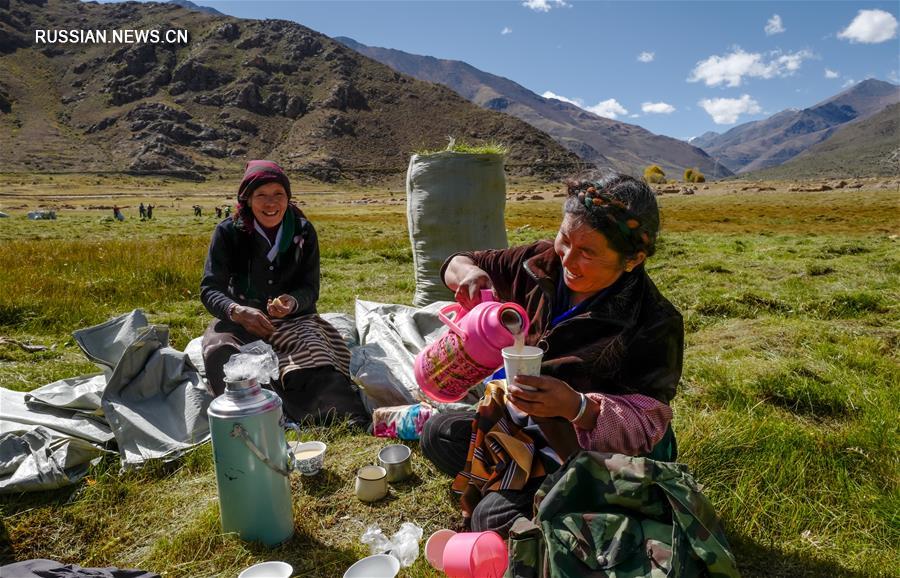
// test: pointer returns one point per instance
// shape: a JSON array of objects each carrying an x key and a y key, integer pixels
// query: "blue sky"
[{"x": 705, "y": 65}]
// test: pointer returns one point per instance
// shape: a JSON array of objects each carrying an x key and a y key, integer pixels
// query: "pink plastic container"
[
  {"x": 470, "y": 351},
  {"x": 468, "y": 554}
]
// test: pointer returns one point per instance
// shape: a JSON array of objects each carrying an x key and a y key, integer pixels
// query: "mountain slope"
[
  {"x": 191, "y": 6},
  {"x": 870, "y": 147},
  {"x": 781, "y": 137},
  {"x": 598, "y": 140},
  {"x": 239, "y": 89}
]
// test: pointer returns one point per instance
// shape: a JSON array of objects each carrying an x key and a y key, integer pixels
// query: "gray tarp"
[
  {"x": 149, "y": 403},
  {"x": 454, "y": 202},
  {"x": 390, "y": 336},
  {"x": 42, "y": 568}
]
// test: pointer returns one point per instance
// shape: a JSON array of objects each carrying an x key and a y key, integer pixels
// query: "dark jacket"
[
  {"x": 237, "y": 269},
  {"x": 630, "y": 340}
]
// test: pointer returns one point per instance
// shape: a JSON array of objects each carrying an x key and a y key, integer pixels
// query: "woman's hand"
[
  {"x": 468, "y": 293},
  {"x": 253, "y": 320},
  {"x": 551, "y": 397},
  {"x": 281, "y": 306}
]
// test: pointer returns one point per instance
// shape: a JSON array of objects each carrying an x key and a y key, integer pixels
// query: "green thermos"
[{"x": 252, "y": 463}]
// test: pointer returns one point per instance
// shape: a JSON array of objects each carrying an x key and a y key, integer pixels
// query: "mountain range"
[
  {"x": 336, "y": 109},
  {"x": 775, "y": 140},
  {"x": 238, "y": 89},
  {"x": 870, "y": 147},
  {"x": 598, "y": 140}
]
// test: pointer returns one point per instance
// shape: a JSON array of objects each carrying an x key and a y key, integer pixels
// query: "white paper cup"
[{"x": 524, "y": 361}]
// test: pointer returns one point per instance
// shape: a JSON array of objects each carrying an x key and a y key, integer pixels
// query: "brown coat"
[{"x": 631, "y": 340}]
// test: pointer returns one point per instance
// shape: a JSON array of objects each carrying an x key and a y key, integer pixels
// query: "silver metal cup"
[{"x": 397, "y": 460}]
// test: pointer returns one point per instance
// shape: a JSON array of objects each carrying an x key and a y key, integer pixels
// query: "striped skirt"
[{"x": 307, "y": 342}]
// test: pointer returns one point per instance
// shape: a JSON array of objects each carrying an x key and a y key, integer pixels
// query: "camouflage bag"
[{"x": 615, "y": 516}]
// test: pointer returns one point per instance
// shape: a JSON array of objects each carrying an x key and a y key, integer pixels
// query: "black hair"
[{"x": 620, "y": 207}]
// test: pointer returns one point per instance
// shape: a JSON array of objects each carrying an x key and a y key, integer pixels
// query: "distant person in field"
[
  {"x": 149, "y": 212},
  {"x": 613, "y": 348},
  {"x": 261, "y": 281},
  {"x": 142, "y": 211},
  {"x": 117, "y": 213},
  {"x": 218, "y": 212}
]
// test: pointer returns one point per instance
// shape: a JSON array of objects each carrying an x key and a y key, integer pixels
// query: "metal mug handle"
[{"x": 288, "y": 424}]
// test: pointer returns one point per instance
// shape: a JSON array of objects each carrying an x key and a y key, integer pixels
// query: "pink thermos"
[{"x": 470, "y": 351}]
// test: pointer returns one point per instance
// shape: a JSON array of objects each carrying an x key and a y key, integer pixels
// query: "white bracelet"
[{"x": 581, "y": 408}]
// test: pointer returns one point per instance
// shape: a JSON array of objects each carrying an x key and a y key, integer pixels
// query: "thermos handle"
[
  {"x": 486, "y": 295},
  {"x": 238, "y": 431},
  {"x": 451, "y": 322},
  {"x": 288, "y": 424}
]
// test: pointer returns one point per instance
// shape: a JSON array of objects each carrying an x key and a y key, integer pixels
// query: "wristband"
[
  {"x": 230, "y": 311},
  {"x": 581, "y": 408}
]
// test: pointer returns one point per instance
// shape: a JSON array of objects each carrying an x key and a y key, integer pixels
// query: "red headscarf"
[{"x": 259, "y": 173}]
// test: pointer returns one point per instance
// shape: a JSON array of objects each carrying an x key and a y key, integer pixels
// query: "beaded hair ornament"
[{"x": 616, "y": 214}]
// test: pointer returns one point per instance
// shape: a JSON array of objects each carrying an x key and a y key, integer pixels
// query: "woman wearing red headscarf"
[{"x": 261, "y": 281}]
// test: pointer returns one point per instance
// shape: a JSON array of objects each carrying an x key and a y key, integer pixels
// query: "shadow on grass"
[
  {"x": 309, "y": 556},
  {"x": 765, "y": 561},
  {"x": 325, "y": 483},
  {"x": 12, "y": 505},
  {"x": 406, "y": 484}
]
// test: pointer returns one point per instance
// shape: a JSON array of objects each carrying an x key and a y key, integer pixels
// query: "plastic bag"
[
  {"x": 256, "y": 360},
  {"x": 375, "y": 538},
  {"x": 403, "y": 545}
]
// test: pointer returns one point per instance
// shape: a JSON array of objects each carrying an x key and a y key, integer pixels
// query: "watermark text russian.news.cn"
[{"x": 118, "y": 36}]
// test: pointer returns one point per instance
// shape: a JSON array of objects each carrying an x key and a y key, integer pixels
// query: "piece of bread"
[{"x": 278, "y": 303}]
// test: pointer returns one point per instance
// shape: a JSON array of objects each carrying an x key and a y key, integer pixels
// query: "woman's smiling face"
[
  {"x": 589, "y": 263},
  {"x": 269, "y": 203}
]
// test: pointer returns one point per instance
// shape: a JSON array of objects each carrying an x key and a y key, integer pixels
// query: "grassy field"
[{"x": 787, "y": 412}]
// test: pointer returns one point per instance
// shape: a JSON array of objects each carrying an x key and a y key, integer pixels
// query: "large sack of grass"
[{"x": 454, "y": 202}]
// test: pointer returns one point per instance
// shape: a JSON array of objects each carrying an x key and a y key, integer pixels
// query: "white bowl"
[
  {"x": 309, "y": 466},
  {"x": 377, "y": 566},
  {"x": 268, "y": 570}
]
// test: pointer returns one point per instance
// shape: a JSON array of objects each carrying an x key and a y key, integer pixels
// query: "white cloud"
[
  {"x": 576, "y": 101},
  {"x": 727, "y": 110},
  {"x": 506, "y": 30},
  {"x": 731, "y": 68},
  {"x": 893, "y": 76},
  {"x": 831, "y": 73},
  {"x": 608, "y": 108},
  {"x": 848, "y": 83},
  {"x": 634, "y": 116},
  {"x": 774, "y": 25},
  {"x": 870, "y": 27},
  {"x": 657, "y": 108},
  {"x": 646, "y": 56},
  {"x": 543, "y": 5}
]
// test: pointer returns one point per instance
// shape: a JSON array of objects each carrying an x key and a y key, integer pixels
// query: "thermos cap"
[{"x": 242, "y": 398}]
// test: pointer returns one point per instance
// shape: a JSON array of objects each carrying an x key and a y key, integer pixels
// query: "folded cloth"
[{"x": 401, "y": 421}]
